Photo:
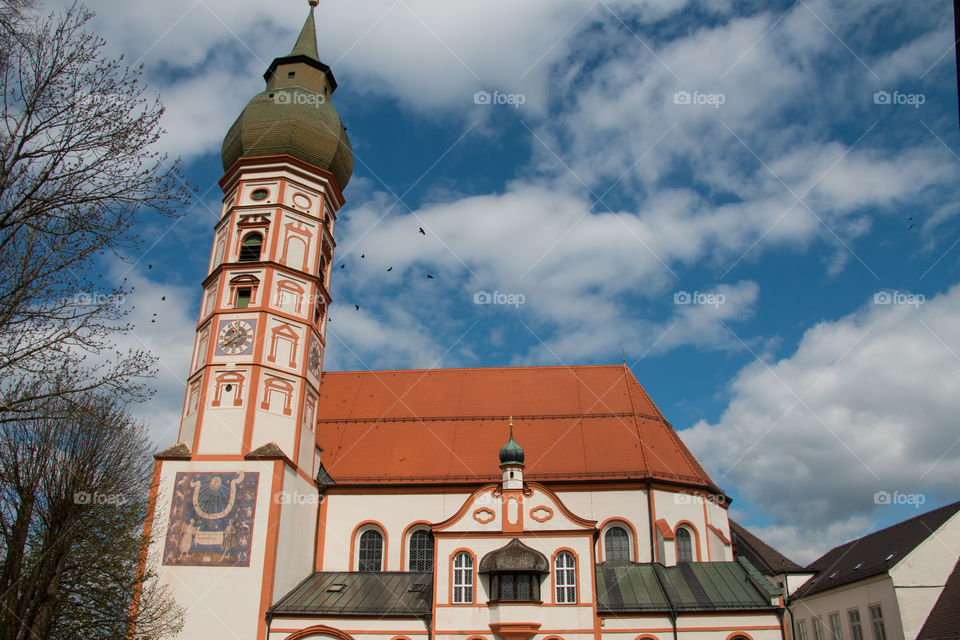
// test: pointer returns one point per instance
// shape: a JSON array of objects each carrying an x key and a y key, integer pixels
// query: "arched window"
[
  {"x": 616, "y": 543},
  {"x": 371, "y": 551},
  {"x": 684, "y": 545},
  {"x": 250, "y": 249},
  {"x": 462, "y": 578},
  {"x": 421, "y": 550},
  {"x": 565, "y": 576}
]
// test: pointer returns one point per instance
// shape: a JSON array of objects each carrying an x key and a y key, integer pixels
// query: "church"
[{"x": 514, "y": 503}]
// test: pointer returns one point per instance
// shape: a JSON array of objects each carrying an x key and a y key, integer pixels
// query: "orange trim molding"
[
  {"x": 483, "y": 515},
  {"x": 541, "y": 513},
  {"x": 320, "y": 629},
  {"x": 664, "y": 529},
  {"x": 515, "y": 630}
]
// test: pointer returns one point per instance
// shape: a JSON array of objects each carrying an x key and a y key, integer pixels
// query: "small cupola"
[{"x": 511, "y": 462}]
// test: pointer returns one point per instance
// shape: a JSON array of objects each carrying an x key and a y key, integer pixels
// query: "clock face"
[
  {"x": 235, "y": 337},
  {"x": 314, "y": 360}
]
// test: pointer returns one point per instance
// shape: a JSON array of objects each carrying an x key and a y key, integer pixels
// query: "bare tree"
[
  {"x": 74, "y": 480},
  {"x": 77, "y": 164}
]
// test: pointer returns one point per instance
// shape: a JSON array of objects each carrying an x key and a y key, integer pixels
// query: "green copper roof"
[
  {"x": 691, "y": 586},
  {"x": 338, "y": 593},
  {"x": 511, "y": 453},
  {"x": 294, "y": 115}
]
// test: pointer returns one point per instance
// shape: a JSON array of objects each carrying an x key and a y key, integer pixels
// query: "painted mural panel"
[{"x": 211, "y": 519}]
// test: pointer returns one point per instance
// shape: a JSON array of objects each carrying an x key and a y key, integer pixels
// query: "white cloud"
[{"x": 867, "y": 403}]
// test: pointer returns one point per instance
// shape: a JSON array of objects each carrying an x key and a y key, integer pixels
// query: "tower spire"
[{"x": 306, "y": 44}]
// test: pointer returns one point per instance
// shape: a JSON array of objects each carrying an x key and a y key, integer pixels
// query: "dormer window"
[{"x": 291, "y": 74}]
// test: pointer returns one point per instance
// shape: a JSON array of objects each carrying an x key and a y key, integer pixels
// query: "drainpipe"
[
  {"x": 673, "y": 621},
  {"x": 428, "y": 621},
  {"x": 653, "y": 525}
]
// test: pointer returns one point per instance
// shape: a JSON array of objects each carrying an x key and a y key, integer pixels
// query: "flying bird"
[
  {"x": 342, "y": 266},
  {"x": 149, "y": 266},
  {"x": 430, "y": 277},
  {"x": 357, "y": 307},
  {"x": 422, "y": 232},
  {"x": 390, "y": 269},
  {"x": 163, "y": 297},
  {"x": 362, "y": 256}
]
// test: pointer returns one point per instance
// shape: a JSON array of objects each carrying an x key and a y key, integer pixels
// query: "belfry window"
[
  {"x": 421, "y": 551},
  {"x": 616, "y": 544},
  {"x": 684, "y": 545},
  {"x": 243, "y": 298},
  {"x": 250, "y": 249},
  {"x": 371, "y": 551}
]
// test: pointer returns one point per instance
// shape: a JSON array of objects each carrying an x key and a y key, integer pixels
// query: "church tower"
[{"x": 234, "y": 504}]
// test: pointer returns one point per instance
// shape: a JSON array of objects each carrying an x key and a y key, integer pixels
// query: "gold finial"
[
  {"x": 511, "y": 426},
  {"x": 313, "y": 3}
]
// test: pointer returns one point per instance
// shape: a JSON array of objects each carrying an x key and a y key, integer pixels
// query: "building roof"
[
  {"x": 514, "y": 556},
  {"x": 764, "y": 557},
  {"x": 943, "y": 623},
  {"x": 447, "y": 425},
  {"x": 686, "y": 587},
  {"x": 873, "y": 554},
  {"x": 346, "y": 593}
]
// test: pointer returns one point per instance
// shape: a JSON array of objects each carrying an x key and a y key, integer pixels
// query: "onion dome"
[
  {"x": 511, "y": 453},
  {"x": 514, "y": 556},
  {"x": 294, "y": 115}
]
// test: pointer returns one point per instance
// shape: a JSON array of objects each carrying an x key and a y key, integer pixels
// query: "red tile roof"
[{"x": 440, "y": 426}]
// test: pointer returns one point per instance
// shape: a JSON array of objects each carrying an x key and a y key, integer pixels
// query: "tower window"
[
  {"x": 617, "y": 544},
  {"x": 371, "y": 551},
  {"x": 290, "y": 74},
  {"x": 250, "y": 249},
  {"x": 684, "y": 545},
  {"x": 260, "y": 194},
  {"x": 421, "y": 551},
  {"x": 243, "y": 298}
]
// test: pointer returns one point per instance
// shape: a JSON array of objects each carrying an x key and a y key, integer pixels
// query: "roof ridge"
[{"x": 452, "y": 369}]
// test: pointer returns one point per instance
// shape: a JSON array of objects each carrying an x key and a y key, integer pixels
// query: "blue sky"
[{"x": 790, "y": 168}]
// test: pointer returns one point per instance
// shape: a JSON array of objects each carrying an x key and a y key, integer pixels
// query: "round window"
[{"x": 260, "y": 194}]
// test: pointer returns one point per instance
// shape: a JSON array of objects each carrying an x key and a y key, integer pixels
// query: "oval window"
[{"x": 260, "y": 194}]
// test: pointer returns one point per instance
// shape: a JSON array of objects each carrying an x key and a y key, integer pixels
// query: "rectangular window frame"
[
  {"x": 856, "y": 626},
  {"x": 876, "y": 619},
  {"x": 836, "y": 626}
]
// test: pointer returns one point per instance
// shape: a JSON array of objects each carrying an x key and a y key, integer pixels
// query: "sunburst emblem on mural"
[{"x": 215, "y": 499}]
